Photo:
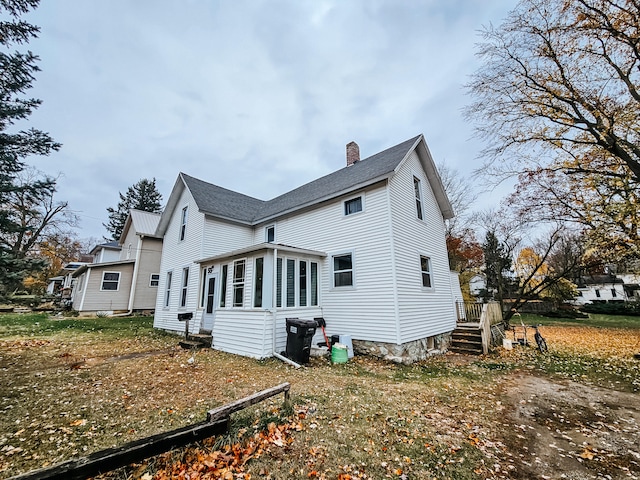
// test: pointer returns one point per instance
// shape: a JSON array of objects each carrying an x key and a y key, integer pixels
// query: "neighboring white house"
[
  {"x": 600, "y": 288},
  {"x": 363, "y": 247},
  {"x": 128, "y": 283}
]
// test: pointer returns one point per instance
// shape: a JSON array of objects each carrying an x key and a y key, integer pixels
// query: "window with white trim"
[
  {"x": 185, "y": 287},
  {"x": 154, "y": 279},
  {"x": 353, "y": 205},
  {"x": 183, "y": 223},
  {"x": 110, "y": 281},
  {"x": 238, "y": 282},
  {"x": 258, "y": 275},
  {"x": 167, "y": 291},
  {"x": 270, "y": 234},
  {"x": 223, "y": 286},
  {"x": 418, "y": 191},
  {"x": 291, "y": 282},
  {"x": 296, "y": 282},
  {"x": 342, "y": 270},
  {"x": 425, "y": 268}
]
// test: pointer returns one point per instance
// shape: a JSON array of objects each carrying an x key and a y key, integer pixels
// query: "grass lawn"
[
  {"x": 69, "y": 387},
  {"x": 595, "y": 320}
]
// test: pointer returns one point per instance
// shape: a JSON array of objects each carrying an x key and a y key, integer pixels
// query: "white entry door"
[{"x": 210, "y": 303}]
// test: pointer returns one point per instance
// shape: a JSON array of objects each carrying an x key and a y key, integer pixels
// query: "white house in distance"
[
  {"x": 128, "y": 283},
  {"x": 363, "y": 247},
  {"x": 106, "y": 252}
]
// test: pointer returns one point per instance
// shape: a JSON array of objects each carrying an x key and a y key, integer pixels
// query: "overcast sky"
[{"x": 255, "y": 96}]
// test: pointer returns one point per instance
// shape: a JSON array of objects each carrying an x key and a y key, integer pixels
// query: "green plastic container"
[{"x": 339, "y": 353}]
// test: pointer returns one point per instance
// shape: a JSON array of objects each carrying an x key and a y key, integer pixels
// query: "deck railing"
[{"x": 487, "y": 316}]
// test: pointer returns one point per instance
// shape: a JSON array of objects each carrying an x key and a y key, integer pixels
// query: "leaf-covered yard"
[{"x": 71, "y": 387}]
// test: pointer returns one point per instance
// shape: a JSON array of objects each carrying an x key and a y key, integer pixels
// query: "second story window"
[
  {"x": 183, "y": 223},
  {"x": 418, "y": 191},
  {"x": 270, "y": 234},
  {"x": 353, "y": 206}
]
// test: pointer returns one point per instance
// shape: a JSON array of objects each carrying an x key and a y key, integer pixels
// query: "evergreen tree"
[
  {"x": 143, "y": 196},
  {"x": 497, "y": 262},
  {"x": 17, "y": 70}
]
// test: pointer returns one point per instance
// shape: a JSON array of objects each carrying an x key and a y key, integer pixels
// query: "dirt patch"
[{"x": 569, "y": 430}]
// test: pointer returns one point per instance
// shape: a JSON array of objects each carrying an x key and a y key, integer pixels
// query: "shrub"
[{"x": 613, "y": 308}]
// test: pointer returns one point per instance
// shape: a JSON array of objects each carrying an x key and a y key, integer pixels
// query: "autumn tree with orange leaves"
[{"x": 557, "y": 99}]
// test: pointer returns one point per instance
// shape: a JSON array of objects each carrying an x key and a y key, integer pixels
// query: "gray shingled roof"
[{"x": 220, "y": 202}]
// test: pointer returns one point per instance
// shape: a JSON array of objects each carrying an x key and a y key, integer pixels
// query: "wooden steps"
[{"x": 467, "y": 340}]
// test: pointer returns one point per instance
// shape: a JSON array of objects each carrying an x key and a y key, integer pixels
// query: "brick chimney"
[{"x": 353, "y": 153}]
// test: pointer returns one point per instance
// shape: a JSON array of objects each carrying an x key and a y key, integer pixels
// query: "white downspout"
[
  {"x": 274, "y": 310},
  {"x": 134, "y": 281}
]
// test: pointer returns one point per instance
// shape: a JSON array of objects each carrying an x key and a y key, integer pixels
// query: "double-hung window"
[
  {"x": 418, "y": 191},
  {"x": 185, "y": 286},
  {"x": 154, "y": 280},
  {"x": 352, "y": 206},
  {"x": 425, "y": 268},
  {"x": 167, "y": 292},
  {"x": 110, "y": 280},
  {"x": 223, "y": 286},
  {"x": 343, "y": 270},
  {"x": 183, "y": 224},
  {"x": 238, "y": 283}
]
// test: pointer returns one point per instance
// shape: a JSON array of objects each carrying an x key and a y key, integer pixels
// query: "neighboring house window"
[
  {"x": 154, "y": 280},
  {"x": 314, "y": 284},
  {"x": 110, "y": 280},
  {"x": 598, "y": 293},
  {"x": 579, "y": 293},
  {"x": 270, "y": 234},
  {"x": 81, "y": 283},
  {"x": 425, "y": 267},
  {"x": 291, "y": 283},
  {"x": 343, "y": 270},
  {"x": 613, "y": 293},
  {"x": 167, "y": 292},
  {"x": 183, "y": 224},
  {"x": 353, "y": 206},
  {"x": 259, "y": 270},
  {"x": 223, "y": 287},
  {"x": 129, "y": 252},
  {"x": 418, "y": 190},
  {"x": 279, "y": 283},
  {"x": 302, "y": 283},
  {"x": 238, "y": 283},
  {"x": 185, "y": 285}
]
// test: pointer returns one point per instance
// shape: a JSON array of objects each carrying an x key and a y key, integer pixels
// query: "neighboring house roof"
[
  {"x": 88, "y": 266},
  {"x": 143, "y": 223},
  {"x": 585, "y": 281},
  {"x": 229, "y": 205},
  {"x": 112, "y": 245}
]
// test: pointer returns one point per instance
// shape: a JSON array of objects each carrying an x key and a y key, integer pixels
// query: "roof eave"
[{"x": 259, "y": 247}]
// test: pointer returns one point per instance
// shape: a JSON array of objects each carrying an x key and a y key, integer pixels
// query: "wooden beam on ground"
[
  {"x": 112, "y": 458},
  {"x": 228, "y": 409}
]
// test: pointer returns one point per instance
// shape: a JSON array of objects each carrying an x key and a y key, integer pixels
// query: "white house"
[
  {"x": 106, "y": 252},
  {"x": 600, "y": 288},
  {"x": 363, "y": 247},
  {"x": 128, "y": 283}
]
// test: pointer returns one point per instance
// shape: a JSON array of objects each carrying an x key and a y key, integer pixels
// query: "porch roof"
[{"x": 262, "y": 246}]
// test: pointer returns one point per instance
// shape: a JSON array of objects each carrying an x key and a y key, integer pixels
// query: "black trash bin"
[{"x": 299, "y": 336}]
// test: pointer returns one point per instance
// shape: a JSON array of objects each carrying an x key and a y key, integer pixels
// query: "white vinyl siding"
[{"x": 424, "y": 312}]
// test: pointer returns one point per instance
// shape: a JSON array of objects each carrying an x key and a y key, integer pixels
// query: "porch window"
[
  {"x": 185, "y": 285},
  {"x": 167, "y": 293},
  {"x": 302, "y": 282},
  {"x": 291, "y": 283},
  {"x": 425, "y": 267},
  {"x": 418, "y": 191},
  {"x": 314, "y": 284},
  {"x": 110, "y": 281},
  {"x": 223, "y": 286},
  {"x": 183, "y": 224},
  {"x": 257, "y": 294},
  {"x": 352, "y": 206},
  {"x": 279, "y": 283},
  {"x": 238, "y": 283},
  {"x": 343, "y": 270},
  {"x": 154, "y": 280}
]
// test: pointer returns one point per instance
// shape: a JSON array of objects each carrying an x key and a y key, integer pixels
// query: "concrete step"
[
  {"x": 190, "y": 344},
  {"x": 204, "y": 338}
]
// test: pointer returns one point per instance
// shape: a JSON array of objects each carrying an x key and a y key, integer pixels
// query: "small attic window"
[
  {"x": 270, "y": 234},
  {"x": 352, "y": 206}
]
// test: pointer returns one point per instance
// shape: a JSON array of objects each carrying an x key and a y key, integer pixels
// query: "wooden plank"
[
  {"x": 112, "y": 458},
  {"x": 228, "y": 409}
]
